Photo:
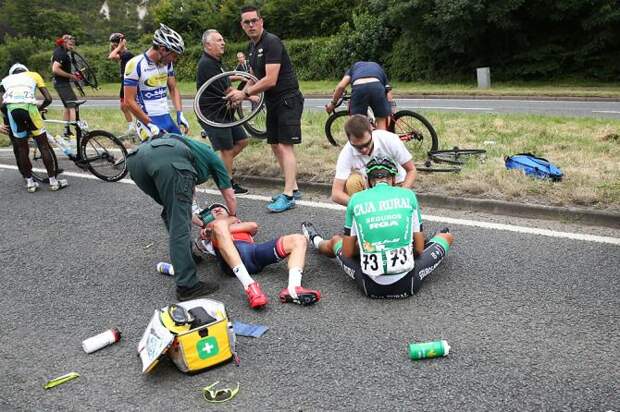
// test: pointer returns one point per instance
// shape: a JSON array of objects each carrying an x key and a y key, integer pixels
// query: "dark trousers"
[{"x": 163, "y": 169}]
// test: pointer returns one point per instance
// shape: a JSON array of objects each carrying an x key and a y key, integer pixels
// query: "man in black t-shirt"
[
  {"x": 228, "y": 141},
  {"x": 284, "y": 102},
  {"x": 63, "y": 76},
  {"x": 119, "y": 53}
]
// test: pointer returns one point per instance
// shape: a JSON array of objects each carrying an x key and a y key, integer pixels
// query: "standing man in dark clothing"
[
  {"x": 119, "y": 53},
  {"x": 232, "y": 140},
  {"x": 242, "y": 65},
  {"x": 63, "y": 76},
  {"x": 167, "y": 168},
  {"x": 284, "y": 102}
]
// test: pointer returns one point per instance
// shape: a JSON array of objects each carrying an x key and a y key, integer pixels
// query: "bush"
[{"x": 19, "y": 49}]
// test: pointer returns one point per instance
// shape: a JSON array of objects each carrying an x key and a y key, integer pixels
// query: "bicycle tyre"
[
  {"x": 97, "y": 149},
  {"x": 82, "y": 66},
  {"x": 257, "y": 125},
  {"x": 334, "y": 128},
  {"x": 422, "y": 167},
  {"x": 455, "y": 156},
  {"x": 223, "y": 111},
  {"x": 36, "y": 159},
  {"x": 416, "y": 132}
]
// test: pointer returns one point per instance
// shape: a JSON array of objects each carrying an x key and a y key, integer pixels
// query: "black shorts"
[
  {"x": 369, "y": 94},
  {"x": 284, "y": 119},
  {"x": 224, "y": 138},
  {"x": 122, "y": 92},
  {"x": 404, "y": 287},
  {"x": 66, "y": 93}
]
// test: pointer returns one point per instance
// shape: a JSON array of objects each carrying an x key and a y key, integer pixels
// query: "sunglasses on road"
[{"x": 220, "y": 395}]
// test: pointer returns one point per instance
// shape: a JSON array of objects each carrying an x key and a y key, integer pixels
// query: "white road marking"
[
  {"x": 606, "y": 111},
  {"x": 482, "y": 109},
  {"x": 443, "y": 219}
]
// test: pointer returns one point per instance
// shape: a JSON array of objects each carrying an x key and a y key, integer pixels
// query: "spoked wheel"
[
  {"x": 428, "y": 166},
  {"x": 455, "y": 156},
  {"x": 334, "y": 128},
  {"x": 212, "y": 108},
  {"x": 257, "y": 125},
  {"x": 104, "y": 155},
  {"x": 86, "y": 73},
  {"x": 416, "y": 132},
  {"x": 39, "y": 172}
]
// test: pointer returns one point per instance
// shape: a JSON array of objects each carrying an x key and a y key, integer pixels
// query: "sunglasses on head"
[{"x": 220, "y": 395}]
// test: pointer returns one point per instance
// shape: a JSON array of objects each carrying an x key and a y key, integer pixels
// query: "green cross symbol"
[{"x": 207, "y": 347}]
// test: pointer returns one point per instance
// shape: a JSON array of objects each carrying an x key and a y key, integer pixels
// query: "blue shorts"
[
  {"x": 165, "y": 122},
  {"x": 255, "y": 256},
  {"x": 369, "y": 94}
]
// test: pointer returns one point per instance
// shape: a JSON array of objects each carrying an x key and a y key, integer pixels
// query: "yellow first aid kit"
[{"x": 195, "y": 335}]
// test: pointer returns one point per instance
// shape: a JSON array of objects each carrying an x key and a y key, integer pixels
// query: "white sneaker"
[
  {"x": 32, "y": 187},
  {"x": 60, "y": 184}
]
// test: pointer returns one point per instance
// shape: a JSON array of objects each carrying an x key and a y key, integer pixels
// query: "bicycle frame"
[{"x": 81, "y": 129}]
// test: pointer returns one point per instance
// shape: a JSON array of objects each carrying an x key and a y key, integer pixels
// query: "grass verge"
[
  {"x": 326, "y": 87},
  {"x": 586, "y": 149}
]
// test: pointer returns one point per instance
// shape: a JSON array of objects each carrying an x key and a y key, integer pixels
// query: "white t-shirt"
[{"x": 385, "y": 144}]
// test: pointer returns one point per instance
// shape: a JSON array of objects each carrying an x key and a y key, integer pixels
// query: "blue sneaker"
[
  {"x": 296, "y": 195},
  {"x": 281, "y": 204}
]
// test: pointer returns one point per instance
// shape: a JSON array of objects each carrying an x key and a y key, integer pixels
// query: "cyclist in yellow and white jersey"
[
  {"x": 21, "y": 112},
  {"x": 149, "y": 78}
]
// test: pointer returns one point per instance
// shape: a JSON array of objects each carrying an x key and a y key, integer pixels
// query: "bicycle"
[
  {"x": 455, "y": 158},
  {"x": 212, "y": 108},
  {"x": 98, "y": 151},
  {"x": 412, "y": 128}
]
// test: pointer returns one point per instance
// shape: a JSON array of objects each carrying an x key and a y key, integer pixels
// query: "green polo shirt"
[{"x": 208, "y": 164}]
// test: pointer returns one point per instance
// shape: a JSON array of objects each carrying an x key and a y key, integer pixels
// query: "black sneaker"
[
  {"x": 309, "y": 232},
  {"x": 239, "y": 190},
  {"x": 200, "y": 289}
]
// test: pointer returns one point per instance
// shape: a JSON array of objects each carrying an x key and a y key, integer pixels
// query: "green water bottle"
[{"x": 424, "y": 350}]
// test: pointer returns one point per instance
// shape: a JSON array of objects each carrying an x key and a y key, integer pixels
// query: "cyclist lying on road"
[
  {"x": 231, "y": 241},
  {"x": 384, "y": 248}
]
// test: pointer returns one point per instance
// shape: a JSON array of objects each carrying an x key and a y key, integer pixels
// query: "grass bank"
[
  {"x": 586, "y": 149},
  {"x": 550, "y": 89}
]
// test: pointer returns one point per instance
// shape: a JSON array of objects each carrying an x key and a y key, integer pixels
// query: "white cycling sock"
[
  {"x": 316, "y": 241},
  {"x": 29, "y": 181},
  {"x": 294, "y": 280},
  {"x": 53, "y": 181},
  {"x": 242, "y": 274}
]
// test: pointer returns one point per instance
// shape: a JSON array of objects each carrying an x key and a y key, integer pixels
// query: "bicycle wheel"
[
  {"x": 80, "y": 65},
  {"x": 211, "y": 106},
  {"x": 39, "y": 172},
  {"x": 104, "y": 155},
  {"x": 257, "y": 125},
  {"x": 334, "y": 128},
  {"x": 455, "y": 156},
  {"x": 428, "y": 167},
  {"x": 416, "y": 132}
]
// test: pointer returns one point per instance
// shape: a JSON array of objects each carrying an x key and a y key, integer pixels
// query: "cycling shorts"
[
  {"x": 25, "y": 119},
  {"x": 255, "y": 256},
  {"x": 164, "y": 122},
  {"x": 407, "y": 284},
  {"x": 369, "y": 95}
]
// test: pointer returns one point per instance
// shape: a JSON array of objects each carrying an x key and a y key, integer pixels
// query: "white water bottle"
[
  {"x": 102, "y": 340},
  {"x": 64, "y": 144}
]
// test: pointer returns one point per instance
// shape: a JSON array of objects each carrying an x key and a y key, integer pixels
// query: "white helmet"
[
  {"x": 168, "y": 38},
  {"x": 17, "y": 68}
]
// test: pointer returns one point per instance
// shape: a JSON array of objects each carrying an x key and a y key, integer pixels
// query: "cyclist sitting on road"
[
  {"x": 363, "y": 143},
  {"x": 119, "y": 53},
  {"x": 369, "y": 88},
  {"x": 148, "y": 79},
  {"x": 22, "y": 114},
  {"x": 383, "y": 248},
  {"x": 231, "y": 241}
]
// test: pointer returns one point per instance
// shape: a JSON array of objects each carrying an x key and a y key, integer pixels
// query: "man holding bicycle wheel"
[
  {"x": 63, "y": 76},
  {"x": 22, "y": 114},
  {"x": 284, "y": 102},
  {"x": 148, "y": 79},
  {"x": 364, "y": 143},
  {"x": 369, "y": 88},
  {"x": 228, "y": 141}
]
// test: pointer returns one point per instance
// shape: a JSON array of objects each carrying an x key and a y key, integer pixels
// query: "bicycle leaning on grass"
[
  {"x": 98, "y": 151},
  {"x": 412, "y": 128}
]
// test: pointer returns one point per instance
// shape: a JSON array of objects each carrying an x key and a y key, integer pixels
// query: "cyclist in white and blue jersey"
[{"x": 149, "y": 77}]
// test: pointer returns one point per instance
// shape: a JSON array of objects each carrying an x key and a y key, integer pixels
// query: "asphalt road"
[
  {"x": 532, "y": 320},
  {"x": 556, "y": 108}
]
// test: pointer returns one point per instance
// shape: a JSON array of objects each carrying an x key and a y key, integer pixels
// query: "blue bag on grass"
[{"x": 534, "y": 166}]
